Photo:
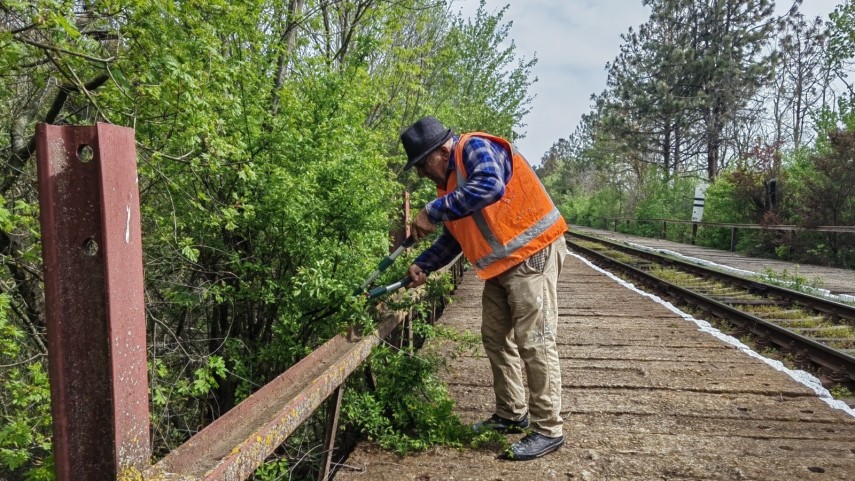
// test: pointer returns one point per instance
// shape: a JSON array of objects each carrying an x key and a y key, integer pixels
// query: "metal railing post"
[
  {"x": 95, "y": 312},
  {"x": 403, "y": 231},
  {"x": 330, "y": 431}
]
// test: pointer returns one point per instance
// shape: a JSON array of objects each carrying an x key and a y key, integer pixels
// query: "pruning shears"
[{"x": 382, "y": 266}]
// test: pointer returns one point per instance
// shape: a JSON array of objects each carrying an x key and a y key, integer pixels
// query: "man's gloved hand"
[
  {"x": 421, "y": 227},
  {"x": 417, "y": 275}
]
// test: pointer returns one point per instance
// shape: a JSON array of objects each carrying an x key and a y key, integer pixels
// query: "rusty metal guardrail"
[
  {"x": 235, "y": 444},
  {"x": 734, "y": 227},
  {"x": 92, "y": 249}
]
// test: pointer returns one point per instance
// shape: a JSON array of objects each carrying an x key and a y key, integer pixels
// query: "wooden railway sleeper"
[
  {"x": 784, "y": 321},
  {"x": 838, "y": 376},
  {"x": 762, "y": 339}
]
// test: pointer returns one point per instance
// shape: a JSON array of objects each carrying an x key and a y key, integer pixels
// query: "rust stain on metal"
[{"x": 93, "y": 295}]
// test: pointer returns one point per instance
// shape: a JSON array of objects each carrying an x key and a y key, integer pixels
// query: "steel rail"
[
  {"x": 837, "y": 309},
  {"x": 839, "y": 365}
]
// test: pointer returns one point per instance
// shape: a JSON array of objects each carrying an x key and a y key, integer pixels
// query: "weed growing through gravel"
[
  {"x": 621, "y": 257},
  {"x": 791, "y": 280},
  {"x": 842, "y": 332},
  {"x": 594, "y": 246},
  {"x": 839, "y": 391},
  {"x": 769, "y": 352},
  {"x": 672, "y": 276},
  {"x": 776, "y": 312}
]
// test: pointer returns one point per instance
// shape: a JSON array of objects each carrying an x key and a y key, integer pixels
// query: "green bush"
[
  {"x": 25, "y": 419},
  {"x": 665, "y": 198},
  {"x": 409, "y": 408},
  {"x": 591, "y": 210},
  {"x": 718, "y": 207}
]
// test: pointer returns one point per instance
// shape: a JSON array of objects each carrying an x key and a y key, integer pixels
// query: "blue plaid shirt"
[{"x": 488, "y": 166}]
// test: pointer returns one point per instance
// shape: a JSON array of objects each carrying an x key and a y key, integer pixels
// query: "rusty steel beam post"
[{"x": 95, "y": 313}]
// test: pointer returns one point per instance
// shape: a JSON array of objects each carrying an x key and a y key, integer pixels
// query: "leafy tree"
[
  {"x": 825, "y": 187},
  {"x": 481, "y": 83},
  {"x": 726, "y": 62},
  {"x": 265, "y": 135},
  {"x": 800, "y": 82},
  {"x": 648, "y": 105},
  {"x": 841, "y": 44}
]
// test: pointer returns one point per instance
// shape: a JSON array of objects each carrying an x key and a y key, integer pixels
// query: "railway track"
[{"x": 814, "y": 332}]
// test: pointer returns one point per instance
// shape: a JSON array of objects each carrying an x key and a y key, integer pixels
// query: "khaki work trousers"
[{"x": 518, "y": 329}]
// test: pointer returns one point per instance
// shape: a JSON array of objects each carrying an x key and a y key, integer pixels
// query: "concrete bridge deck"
[{"x": 646, "y": 396}]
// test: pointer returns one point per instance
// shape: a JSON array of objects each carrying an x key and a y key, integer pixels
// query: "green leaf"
[{"x": 67, "y": 26}]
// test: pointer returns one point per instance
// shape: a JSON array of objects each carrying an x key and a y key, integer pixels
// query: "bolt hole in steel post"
[
  {"x": 94, "y": 301},
  {"x": 90, "y": 247},
  {"x": 85, "y": 154}
]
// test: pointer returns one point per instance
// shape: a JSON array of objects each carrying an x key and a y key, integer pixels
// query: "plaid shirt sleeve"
[
  {"x": 443, "y": 250},
  {"x": 489, "y": 169}
]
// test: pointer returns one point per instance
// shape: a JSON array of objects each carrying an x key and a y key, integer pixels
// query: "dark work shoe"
[
  {"x": 532, "y": 446},
  {"x": 501, "y": 425}
]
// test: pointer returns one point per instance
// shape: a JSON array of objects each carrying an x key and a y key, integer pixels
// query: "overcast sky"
[{"x": 573, "y": 40}]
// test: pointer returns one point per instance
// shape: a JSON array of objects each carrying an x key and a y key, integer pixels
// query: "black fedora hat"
[{"x": 421, "y": 138}]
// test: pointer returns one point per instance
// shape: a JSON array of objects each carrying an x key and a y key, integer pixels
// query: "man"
[{"x": 496, "y": 212}]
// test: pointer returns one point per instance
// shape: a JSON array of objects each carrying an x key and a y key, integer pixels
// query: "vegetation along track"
[{"x": 813, "y": 332}]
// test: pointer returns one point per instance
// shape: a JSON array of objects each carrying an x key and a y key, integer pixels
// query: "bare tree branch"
[
  {"x": 20, "y": 155},
  {"x": 62, "y": 50}
]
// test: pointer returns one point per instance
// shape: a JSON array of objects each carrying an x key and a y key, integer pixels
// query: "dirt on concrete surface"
[{"x": 646, "y": 396}]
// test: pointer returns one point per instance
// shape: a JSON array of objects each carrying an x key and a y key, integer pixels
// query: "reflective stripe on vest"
[{"x": 501, "y": 251}]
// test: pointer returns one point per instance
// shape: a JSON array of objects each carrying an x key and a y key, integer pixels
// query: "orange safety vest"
[{"x": 507, "y": 232}]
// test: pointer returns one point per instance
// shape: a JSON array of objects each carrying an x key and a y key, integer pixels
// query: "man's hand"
[
  {"x": 421, "y": 226},
  {"x": 417, "y": 275}
]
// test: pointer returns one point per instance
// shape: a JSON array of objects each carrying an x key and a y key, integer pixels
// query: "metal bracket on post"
[{"x": 95, "y": 312}]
